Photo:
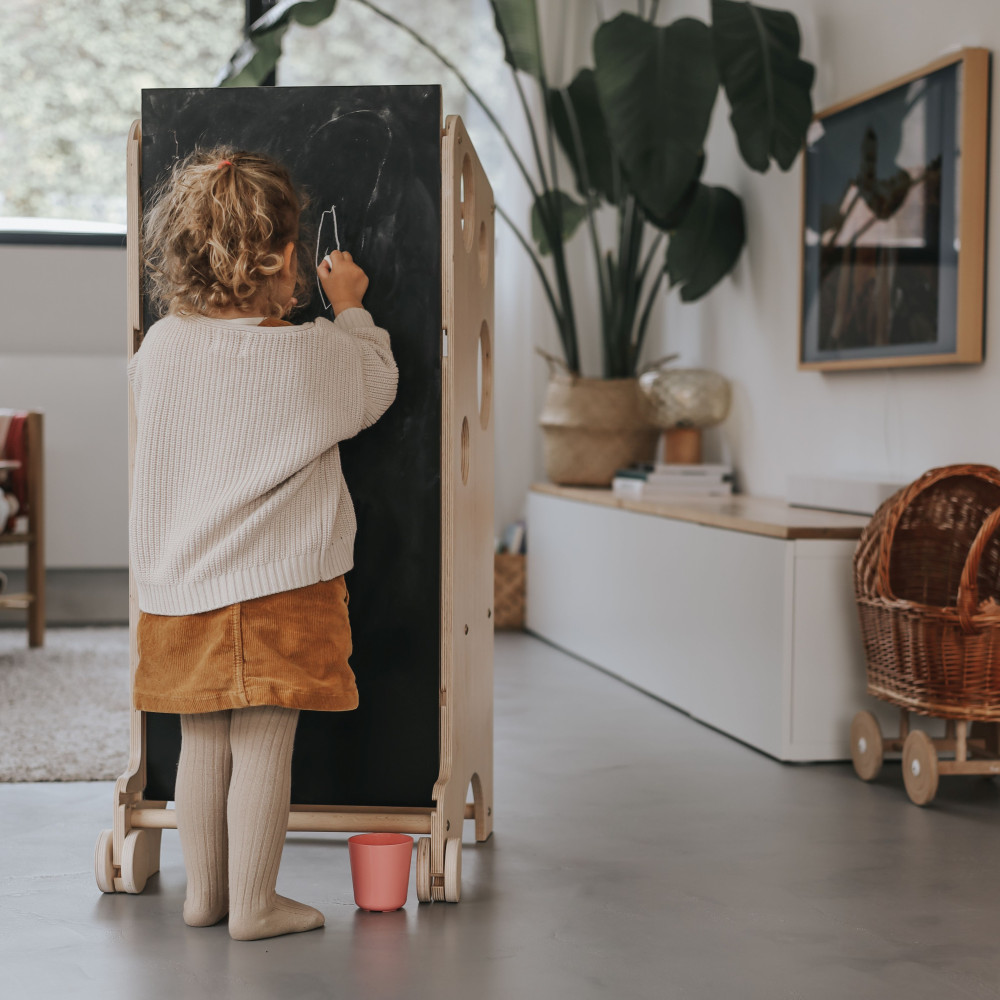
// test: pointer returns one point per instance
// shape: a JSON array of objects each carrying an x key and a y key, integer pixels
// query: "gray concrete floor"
[{"x": 636, "y": 854}]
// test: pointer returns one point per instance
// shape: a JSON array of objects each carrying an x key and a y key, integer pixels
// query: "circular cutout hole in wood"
[
  {"x": 465, "y": 450},
  {"x": 484, "y": 256},
  {"x": 484, "y": 376},
  {"x": 467, "y": 201}
]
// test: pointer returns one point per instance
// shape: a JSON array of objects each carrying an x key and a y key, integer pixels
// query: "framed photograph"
[{"x": 894, "y": 222}]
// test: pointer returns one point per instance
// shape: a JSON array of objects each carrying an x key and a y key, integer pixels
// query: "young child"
[{"x": 241, "y": 526}]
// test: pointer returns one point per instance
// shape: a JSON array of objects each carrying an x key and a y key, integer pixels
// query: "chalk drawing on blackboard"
[
  {"x": 359, "y": 137},
  {"x": 323, "y": 245}
]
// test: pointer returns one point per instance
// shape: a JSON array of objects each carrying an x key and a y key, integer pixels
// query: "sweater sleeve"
[
  {"x": 379, "y": 375},
  {"x": 132, "y": 372}
]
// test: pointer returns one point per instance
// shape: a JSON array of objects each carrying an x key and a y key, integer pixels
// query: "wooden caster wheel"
[
  {"x": 104, "y": 869},
  {"x": 424, "y": 869},
  {"x": 866, "y": 746},
  {"x": 140, "y": 858},
  {"x": 452, "y": 869},
  {"x": 920, "y": 767}
]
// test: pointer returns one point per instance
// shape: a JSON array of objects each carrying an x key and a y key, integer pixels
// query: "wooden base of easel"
[{"x": 129, "y": 853}]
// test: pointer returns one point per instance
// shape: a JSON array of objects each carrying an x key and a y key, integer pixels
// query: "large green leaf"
[
  {"x": 572, "y": 214},
  {"x": 580, "y": 100},
  {"x": 517, "y": 22},
  {"x": 706, "y": 245},
  {"x": 657, "y": 86},
  {"x": 259, "y": 54},
  {"x": 757, "y": 50},
  {"x": 306, "y": 12},
  {"x": 253, "y": 60}
]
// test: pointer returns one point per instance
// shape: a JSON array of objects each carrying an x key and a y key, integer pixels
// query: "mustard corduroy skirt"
[{"x": 289, "y": 649}]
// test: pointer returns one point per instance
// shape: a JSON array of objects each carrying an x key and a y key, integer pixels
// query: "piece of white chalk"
[{"x": 328, "y": 261}]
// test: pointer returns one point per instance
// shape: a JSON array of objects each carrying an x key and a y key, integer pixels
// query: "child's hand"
[{"x": 343, "y": 281}]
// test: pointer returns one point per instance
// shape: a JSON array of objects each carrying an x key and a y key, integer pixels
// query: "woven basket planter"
[
  {"x": 508, "y": 590},
  {"x": 593, "y": 427},
  {"x": 927, "y": 583}
]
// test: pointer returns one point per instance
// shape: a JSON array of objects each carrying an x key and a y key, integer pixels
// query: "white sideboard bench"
[{"x": 738, "y": 610}]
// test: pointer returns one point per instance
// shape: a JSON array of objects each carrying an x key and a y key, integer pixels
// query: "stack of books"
[
  {"x": 662, "y": 481},
  {"x": 512, "y": 541}
]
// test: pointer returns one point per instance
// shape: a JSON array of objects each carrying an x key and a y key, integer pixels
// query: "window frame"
[{"x": 55, "y": 237}]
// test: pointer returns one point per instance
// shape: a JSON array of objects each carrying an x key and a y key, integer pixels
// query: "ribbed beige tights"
[
  {"x": 248, "y": 751},
  {"x": 202, "y": 785}
]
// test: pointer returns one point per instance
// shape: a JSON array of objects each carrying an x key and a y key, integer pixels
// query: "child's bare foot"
[{"x": 285, "y": 916}]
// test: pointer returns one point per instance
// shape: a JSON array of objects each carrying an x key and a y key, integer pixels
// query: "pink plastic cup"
[{"x": 380, "y": 869}]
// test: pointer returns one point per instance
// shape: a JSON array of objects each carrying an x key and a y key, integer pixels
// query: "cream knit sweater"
[{"x": 237, "y": 490}]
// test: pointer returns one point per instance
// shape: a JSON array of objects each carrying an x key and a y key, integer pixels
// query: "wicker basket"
[
  {"x": 927, "y": 582},
  {"x": 591, "y": 427},
  {"x": 508, "y": 590}
]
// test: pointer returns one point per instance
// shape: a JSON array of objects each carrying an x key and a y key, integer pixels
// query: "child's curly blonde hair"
[{"x": 216, "y": 231}]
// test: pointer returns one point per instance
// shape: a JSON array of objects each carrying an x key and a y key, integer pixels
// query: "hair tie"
[{"x": 222, "y": 163}]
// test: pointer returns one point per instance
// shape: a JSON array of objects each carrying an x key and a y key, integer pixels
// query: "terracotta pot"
[{"x": 592, "y": 427}]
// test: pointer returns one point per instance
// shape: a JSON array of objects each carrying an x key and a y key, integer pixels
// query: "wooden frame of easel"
[{"x": 129, "y": 853}]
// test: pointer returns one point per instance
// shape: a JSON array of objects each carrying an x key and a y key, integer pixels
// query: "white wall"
[{"x": 62, "y": 351}]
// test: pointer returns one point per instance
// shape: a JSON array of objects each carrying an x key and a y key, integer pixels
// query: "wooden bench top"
[{"x": 739, "y": 512}]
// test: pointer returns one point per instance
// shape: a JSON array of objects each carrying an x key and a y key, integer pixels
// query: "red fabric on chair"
[{"x": 14, "y": 446}]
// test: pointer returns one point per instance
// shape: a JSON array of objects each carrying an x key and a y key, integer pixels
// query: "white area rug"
[{"x": 64, "y": 707}]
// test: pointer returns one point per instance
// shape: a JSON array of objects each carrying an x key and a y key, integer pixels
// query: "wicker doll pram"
[{"x": 927, "y": 583}]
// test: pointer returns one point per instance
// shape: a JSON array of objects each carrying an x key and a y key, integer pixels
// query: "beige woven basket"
[
  {"x": 508, "y": 590},
  {"x": 927, "y": 583},
  {"x": 593, "y": 427}
]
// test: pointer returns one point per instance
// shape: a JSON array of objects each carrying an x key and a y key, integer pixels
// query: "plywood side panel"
[{"x": 467, "y": 492}]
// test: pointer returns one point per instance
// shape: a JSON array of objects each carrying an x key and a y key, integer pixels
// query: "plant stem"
[
  {"x": 633, "y": 290},
  {"x": 465, "y": 83},
  {"x": 564, "y": 316},
  {"x": 538, "y": 267},
  {"x": 574, "y": 128},
  {"x": 553, "y": 222},
  {"x": 620, "y": 331},
  {"x": 550, "y": 211},
  {"x": 566, "y": 298},
  {"x": 612, "y": 314},
  {"x": 534, "y": 135},
  {"x": 649, "y": 256},
  {"x": 644, "y": 318}
]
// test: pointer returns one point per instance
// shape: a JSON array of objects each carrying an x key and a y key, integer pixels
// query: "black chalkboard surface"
[{"x": 369, "y": 160}]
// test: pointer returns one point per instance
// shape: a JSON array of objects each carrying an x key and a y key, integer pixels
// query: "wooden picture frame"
[{"x": 894, "y": 189}]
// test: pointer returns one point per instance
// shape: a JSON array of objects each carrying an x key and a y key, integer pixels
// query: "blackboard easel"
[{"x": 129, "y": 853}]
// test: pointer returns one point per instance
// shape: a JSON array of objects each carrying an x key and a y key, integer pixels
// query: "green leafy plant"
[{"x": 632, "y": 129}]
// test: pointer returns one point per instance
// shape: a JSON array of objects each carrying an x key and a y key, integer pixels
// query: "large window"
[{"x": 75, "y": 70}]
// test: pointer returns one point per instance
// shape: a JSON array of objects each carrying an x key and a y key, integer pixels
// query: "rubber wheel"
[
  {"x": 424, "y": 870},
  {"x": 452, "y": 869},
  {"x": 920, "y": 767},
  {"x": 104, "y": 869},
  {"x": 866, "y": 746}
]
